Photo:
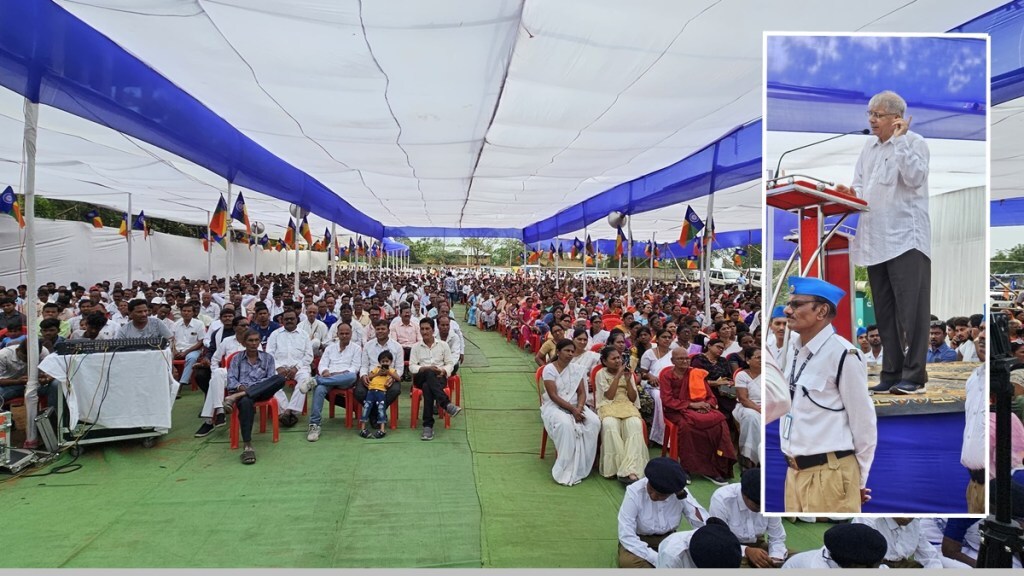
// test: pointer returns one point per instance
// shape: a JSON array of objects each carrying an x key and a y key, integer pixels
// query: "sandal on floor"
[
  {"x": 229, "y": 404},
  {"x": 248, "y": 456}
]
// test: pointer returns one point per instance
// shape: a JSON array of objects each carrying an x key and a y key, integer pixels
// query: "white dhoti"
[
  {"x": 215, "y": 393},
  {"x": 298, "y": 399}
]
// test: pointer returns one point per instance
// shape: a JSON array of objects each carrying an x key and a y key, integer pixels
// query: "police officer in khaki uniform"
[{"x": 829, "y": 435}]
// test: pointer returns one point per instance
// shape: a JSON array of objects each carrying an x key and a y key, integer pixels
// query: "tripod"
[{"x": 1001, "y": 537}]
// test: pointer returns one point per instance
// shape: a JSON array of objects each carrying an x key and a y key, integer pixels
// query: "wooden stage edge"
[{"x": 945, "y": 391}]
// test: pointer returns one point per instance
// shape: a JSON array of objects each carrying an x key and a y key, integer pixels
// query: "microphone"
[{"x": 864, "y": 131}]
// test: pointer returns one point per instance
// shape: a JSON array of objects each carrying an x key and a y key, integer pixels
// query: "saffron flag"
[
  {"x": 590, "y": 261},
  {"x": 534, "y": 256},
  {"x": 289, "y": 234},
  {"x": 737, "y": 257},
  {"x": 691, "y": 225},
  {"x": 123, "y": 230},
  {"x": 94, "y": 215},
  {"x": 619, "y": 238},
  {"x": 219, "y": 221},
  {"x": 9, "y": 205},
  {"x": 360, "y": 247},
  {"x": 307, "y": 235},
  {"x": 140, "y": 224},
  {"x": 647, "y": 249},
  {"x": 240, "y": 213}
]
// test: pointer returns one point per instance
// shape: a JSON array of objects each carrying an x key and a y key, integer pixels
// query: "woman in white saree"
[{"x": 572, "y": 426}]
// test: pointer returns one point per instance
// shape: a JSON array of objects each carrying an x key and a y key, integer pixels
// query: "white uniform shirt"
[
  {"x": 904, "y": 541},
  {"x": 187, "y": 336},
  {"x": 871, "y": 359},
  {"x": 674, "y": 551},
  {"x": 892, "y": 177},
  {"x": 968, "y": 352},
  {"x": 337, "y": 360},
  {"x": 641, "y": 516},
  {"x": 775, "y": 350},
  {"x": 815, "y": 559},
  {"x": 290, "y": 349},
  {"x": 745, "y": 524},
  {"x": 972, "y": 454},
  {"x": 816, "y": 430},
  {"x": 372, "y": 350}
]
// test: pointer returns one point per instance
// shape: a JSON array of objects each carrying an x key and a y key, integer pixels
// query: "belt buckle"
[{"x": 792, "y": 463}]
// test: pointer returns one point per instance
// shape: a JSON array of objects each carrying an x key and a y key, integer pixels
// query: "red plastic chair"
[
  {"x": 349, "y": 394},
  {"x": 455, "y": 383},
  {"x": 266, "y": 408},
  {"x": 392, "y": 414},
  {"x": 417, "y": 396},
  {"x": 177, "y": 366}
]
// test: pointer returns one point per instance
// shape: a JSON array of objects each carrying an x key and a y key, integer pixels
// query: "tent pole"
[
  {"x": 629, "y": 262},
  {"x": 331, "y": 251},
  {"x": 295, "y": 243},
  {"x": 227, "y": 243},
  {"x": 255, "y": 254},
  {"x": 585, "y": 263},
  {"x": 654, "y": 246},
  {"x": 707, "y": 258},
  {"x": 128, "y": 238},
  {"x": 558, "y": 246},
  {"x": 31, "y": 127},
  {"x": 209, "y": 250}
]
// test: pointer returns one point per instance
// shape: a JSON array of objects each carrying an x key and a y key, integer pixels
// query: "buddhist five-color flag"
[
  {"x": 619, "y": 239},
  {"x": 691, "y": 262},
  {"x": 289, "y": 234},
  {"x": 307, "y": 235},
  {"x": 737, "y": 257},
  {"x": 94, "y": 217},
  {"x": 240, "y": 213},
  {"x": 691, "y": 225}
]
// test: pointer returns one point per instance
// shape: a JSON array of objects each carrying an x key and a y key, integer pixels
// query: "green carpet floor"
[{"x": 478, "y": 495}]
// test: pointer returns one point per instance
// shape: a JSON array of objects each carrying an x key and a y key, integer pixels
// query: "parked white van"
[
  {"x": 593, "y": 274},
  {"x": 723, "y": 276}
]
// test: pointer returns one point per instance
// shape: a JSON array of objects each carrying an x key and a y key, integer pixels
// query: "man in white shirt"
[
  {"x": 315, "y": 329},
  {"x": 777, "y": 334},
  {"x": 405, "y": 330},
  {"x": 209, "y": 307},
  {"x": 652, "y": 509},
  {"x": 488, "y": 311},
  {"x": 972, "y": 454},
  {"x": 906, "y": 544},
  {"x": 874, "y": 356},
  {"x": 213, "y": 407},
  {"x": 188, "y": 341},
  {"x": 894, "y": 238},
  {"x": 739, "y": 505},
  {"x": 453, "y": 339},
  {"x": 431, "y": 363},
  {"x": 830, "y": 434},
  {"x": 846, "y": 546},
  {"x": 371, "y": 351},
  {"x": 293, "y": 355},
  {"x": 339, "y": 368}
]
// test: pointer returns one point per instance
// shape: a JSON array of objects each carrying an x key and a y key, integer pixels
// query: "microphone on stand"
[{"x": 863, "y": 131}]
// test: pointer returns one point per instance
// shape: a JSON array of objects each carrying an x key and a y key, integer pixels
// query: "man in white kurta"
[
  {"x": 213, "y": 408},
  {"x": 315, "y": 329},
  {"x": 293, "y": 356}
]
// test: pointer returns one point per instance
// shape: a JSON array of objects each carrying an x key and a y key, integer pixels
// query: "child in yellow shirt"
[{"x": 380, "y": 378}]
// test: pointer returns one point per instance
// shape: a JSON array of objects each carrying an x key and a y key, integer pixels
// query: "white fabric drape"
[
  {"x": 959, "y": 264},
  {"x": 67, "y": 251}
]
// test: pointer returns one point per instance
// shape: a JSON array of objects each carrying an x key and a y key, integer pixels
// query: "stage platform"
[{"x": 944, "y": 393}]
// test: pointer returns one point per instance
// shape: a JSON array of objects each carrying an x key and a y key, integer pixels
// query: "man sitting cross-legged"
[
  {"x": 339, "y": 368},
  {"x": 293, "y": 355},
  {"x": 251, "y": 379},
  {"x": 213, "y": 414},
  {"x": 431, "y": 362}
]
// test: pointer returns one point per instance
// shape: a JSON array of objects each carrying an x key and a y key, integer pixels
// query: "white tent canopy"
[{"x": 454, "y": 113}]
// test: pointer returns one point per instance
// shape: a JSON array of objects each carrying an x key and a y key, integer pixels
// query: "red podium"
[{"x": 823, "y": 253}]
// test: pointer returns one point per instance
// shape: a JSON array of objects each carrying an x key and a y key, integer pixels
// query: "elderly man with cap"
[
  {"x": 846, "y": 546},
  {"x": 710, "y": 546},
  {"x": 775, "y": 339},
  {"x": 907, "y": 546},
  {"x": 829, "y": 435},
  {"x": 739, "y": 505},
  {"x": 652, "y": 510}
]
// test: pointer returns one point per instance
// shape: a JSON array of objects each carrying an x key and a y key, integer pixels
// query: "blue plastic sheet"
[
  {"x": 916, "y": 468},
  {"x": 731, "y": 160},
  {"x": 1008, "y": 212},
  {"x": 723, "y": 240},
  {"x": 1005, "y": 26},
  {"x": 823, "y": 83}
]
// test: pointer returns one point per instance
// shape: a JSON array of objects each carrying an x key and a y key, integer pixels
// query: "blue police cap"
[
  {"x": 815, "y": 287},
  {"x": 778, "y": 312}
]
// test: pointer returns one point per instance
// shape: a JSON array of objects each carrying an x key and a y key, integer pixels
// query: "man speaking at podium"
[{"x": 894, "y": 240}]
